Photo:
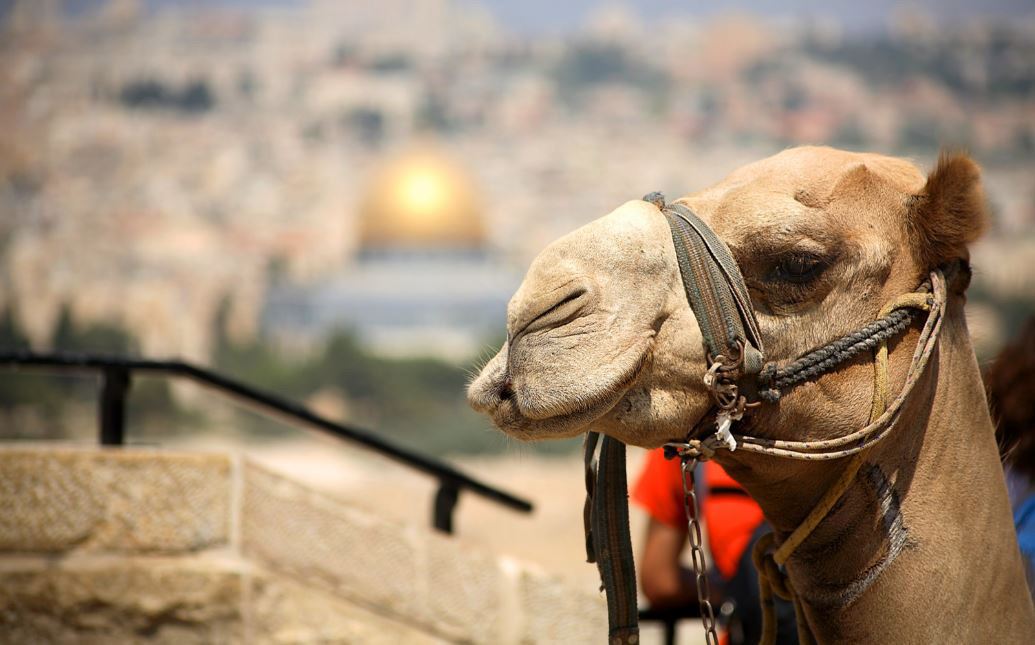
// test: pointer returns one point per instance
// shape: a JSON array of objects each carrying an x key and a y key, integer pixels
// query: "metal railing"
[
  {"x": 117, "y": 372},
  {"x": 670, "y": 617}
]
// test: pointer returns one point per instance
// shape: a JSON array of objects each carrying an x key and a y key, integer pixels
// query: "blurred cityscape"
[{"x": 336, "y": 199}]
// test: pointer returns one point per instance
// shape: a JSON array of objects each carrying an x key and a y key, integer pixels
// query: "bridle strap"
[
  {"x": 608, "y": 543},
  {"x": 714, "y": 288}
]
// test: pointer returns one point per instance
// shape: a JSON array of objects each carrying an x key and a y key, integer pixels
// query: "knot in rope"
[
  {"x": 657, "y": 198},
  {"x": 765, "y": 562},
  {"x": 691, "y": 449}
]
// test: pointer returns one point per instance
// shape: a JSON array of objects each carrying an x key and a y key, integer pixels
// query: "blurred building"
[
  {"x": 423, "y": 279},
  {"x": 156, "y": 158}
]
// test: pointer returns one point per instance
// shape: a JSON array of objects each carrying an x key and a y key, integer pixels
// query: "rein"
[{"x": 718, "y": 296}]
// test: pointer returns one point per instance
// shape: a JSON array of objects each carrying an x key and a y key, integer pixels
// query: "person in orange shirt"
[{"x": 733, "y": 522}]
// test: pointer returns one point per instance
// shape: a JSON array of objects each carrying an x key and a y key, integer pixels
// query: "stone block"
[
  {"x": 466, "y": 594},
  {"x": 124, "y": 600},
  {"x": 556, "y": 613},
  {"x": 322, "y": 541},
  {"x": 284, "y": 612},
  {"x": 59, "y": 499},
  {"x": 120, "y": 547}
]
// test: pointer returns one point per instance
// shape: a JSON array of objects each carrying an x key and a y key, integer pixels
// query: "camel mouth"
[{"x": 568, "y": 421}]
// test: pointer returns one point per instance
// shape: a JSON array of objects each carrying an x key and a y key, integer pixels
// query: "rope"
[
  {"x": 773, "y": 378},
  {"x": 874, "y": 432},
  {"x": 879, "y": 428},
  {"x": 829, "y": 449},
  {"x": 772, "y": 578},
  {"x": 880, "y": 372}
]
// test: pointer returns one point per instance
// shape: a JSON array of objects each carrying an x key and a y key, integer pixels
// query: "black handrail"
[
  {"x": 669, "y": 617},
  {"x": 117, "y": 371}
]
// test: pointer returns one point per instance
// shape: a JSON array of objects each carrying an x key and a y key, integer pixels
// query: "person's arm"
[{"x": 663, "y": 578}]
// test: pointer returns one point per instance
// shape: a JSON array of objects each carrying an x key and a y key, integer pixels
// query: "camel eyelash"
[{"x": 798, "y": 268}]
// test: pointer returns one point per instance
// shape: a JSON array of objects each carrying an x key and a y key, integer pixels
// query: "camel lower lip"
[{"x": 508, "y": 416}]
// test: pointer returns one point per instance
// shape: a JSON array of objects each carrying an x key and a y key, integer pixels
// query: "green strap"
[
  {"x": 714, "y": 288},
  {"x": 608, "y": 542}
]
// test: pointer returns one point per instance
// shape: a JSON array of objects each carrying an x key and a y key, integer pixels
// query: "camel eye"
[{"x": 797, "y": 269}]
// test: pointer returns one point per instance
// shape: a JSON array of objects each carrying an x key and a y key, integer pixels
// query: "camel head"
[{"x": 600, "y": 334}]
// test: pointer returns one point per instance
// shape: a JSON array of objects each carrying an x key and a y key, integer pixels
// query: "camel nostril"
[{"x": 506, "y": 391}]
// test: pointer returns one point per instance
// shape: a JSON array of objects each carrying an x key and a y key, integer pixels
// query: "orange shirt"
[{"x": 730, "y": 516}]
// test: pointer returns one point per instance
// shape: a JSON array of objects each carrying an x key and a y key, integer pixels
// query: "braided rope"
[
  {"x": 876, "y": 431},
  {"x": 828, "y": 449},
  {"x": 892, "y": 321},
  {"x": 774, "y": 379}
]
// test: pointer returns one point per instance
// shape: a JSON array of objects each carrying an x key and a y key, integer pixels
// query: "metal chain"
[{"x": 690, "y": 505}]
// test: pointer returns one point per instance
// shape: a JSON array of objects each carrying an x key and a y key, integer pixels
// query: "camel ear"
[{"x": 949, "y": 213}]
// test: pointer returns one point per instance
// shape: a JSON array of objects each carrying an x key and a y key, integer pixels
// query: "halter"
[{"x": 736, "y": 369}]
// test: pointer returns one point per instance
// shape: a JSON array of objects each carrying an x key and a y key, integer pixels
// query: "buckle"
[{"x": 726, "y": 394}]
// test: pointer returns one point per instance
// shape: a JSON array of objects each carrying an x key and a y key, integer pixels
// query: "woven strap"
[
  {"x": 608, "y": 542},
  {"x": 714, "y": 287}
]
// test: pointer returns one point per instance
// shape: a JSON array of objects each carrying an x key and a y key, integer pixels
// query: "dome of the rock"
[
  {"x": 421, "y": 201},
  {"x": 424, "y": 281}
]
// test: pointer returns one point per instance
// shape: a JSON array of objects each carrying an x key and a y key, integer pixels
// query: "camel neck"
[{"x": 903, "y": 544}]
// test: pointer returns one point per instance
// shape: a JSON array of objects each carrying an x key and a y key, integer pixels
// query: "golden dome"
[{"x": 421, "y": 201}]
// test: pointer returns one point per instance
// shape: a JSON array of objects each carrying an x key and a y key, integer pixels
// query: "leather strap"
[
  {"x": 608, "y": 542},
  {"x": 715, "y": 289}
]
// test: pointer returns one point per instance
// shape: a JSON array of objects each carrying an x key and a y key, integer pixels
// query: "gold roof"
[{"x": 421, "y": 200}]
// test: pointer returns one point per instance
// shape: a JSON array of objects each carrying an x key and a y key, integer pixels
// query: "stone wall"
[{"x": 135, "y": 545}]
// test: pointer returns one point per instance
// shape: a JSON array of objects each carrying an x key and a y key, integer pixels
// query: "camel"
[{"x": 921, "y": 547}]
